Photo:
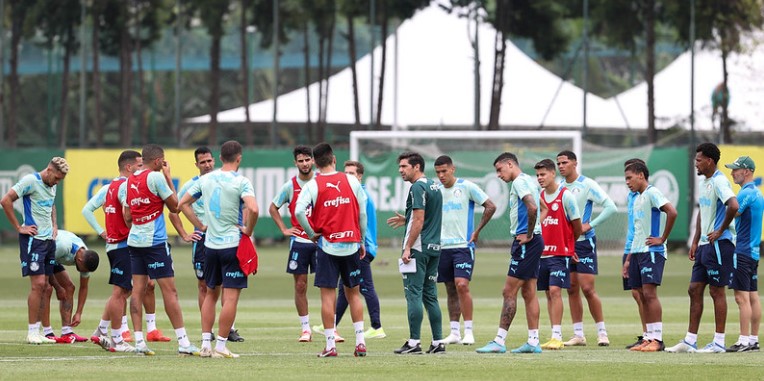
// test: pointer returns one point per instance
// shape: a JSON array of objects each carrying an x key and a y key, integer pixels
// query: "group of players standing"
[{"x": 333, "y": 234}]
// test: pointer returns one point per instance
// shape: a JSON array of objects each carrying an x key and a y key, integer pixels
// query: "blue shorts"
[
  {"x": 646, "y": 268},
  {"x": 626, "y": 286},
  {"x": 331, "y": 268},
  {"x": 524, "y": 263},
  {"x": 198, "y": 260},
  {"x": 456, "y": 263},
  {"x": 714, "y": 264},
  {"x": 746, "y": 277},
  {"x": 302, "y": 258},
  {"x": 154, "y": 261},
  {"x": 121, "y": 270},
  {"x": 587, "y": 257},
  {"x": 58, "y": 268},
  {"x": 222, "y": 268},
  {"x": 553, "y": 271},
  {"x": 37, "y": 257}
]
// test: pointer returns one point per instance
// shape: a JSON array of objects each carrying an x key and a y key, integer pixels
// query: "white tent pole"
[{"x": 395, "y": 81}]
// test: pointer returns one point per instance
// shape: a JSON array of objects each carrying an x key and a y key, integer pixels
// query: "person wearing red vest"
[
  {"x": 338, "y": 224},
  {"x": 148, "y": 191},
  {"x": 111, "y": 198},
  {"x": 302, "y": 251},
  {"x": 560, "y": 228}
]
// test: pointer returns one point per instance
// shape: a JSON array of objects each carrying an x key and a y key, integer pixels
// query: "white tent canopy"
[{"x": 435, "y": 87}]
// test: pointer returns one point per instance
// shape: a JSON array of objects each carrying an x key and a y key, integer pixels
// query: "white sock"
[
  {"x": 533, "y": 337},
  {"x": 650, "y": 331},
  {"x": 305, "y": 322},
  {"x": 103, "y": 327},
  {"x": 329, "y": 333},
  {"x": 233, "y": 326},
  {"x": 601, "y": 328},
  {"x": 47, "y": 331},
  {"x": 691, "y": 338},
  {"x": 467, "y": 327},
  {"x": 151, "y": 322},
  {"x": 207, "y": 340},
  {"x": 658, "y": 331},
  {"x": 501, "y": 336},
  {"x": 557, "y": 332},
  {"x": 183, "y": 338},
  {"x": 65, "y": 330},
  {"x": 753, "y": 339},
  {"x": 578, "y": 329},
  {"x": 358, "y": 327},
  {"x": 138, "y": 338},
  {"x": 116, "y": 337},
  {"x": 124, "y": 327},
  {"x": 743, "y": 340},
  {"x": 220, "y": 343},
  {"x": 719, "y": 338},
  {"x": 413, "y": 343},
  {"x": 33, "y": 328},
  {"x": 455, "y": 328}
]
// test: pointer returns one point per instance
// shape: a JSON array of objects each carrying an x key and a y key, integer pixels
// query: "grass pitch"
[{"x": 268, "y": 321}]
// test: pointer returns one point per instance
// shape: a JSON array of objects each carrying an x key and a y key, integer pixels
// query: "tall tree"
[
  {"x": 96, "y": 9},
  {"x": 116, "y": 40},
  {"x": 538, "y": 20},
  {"x": 19, "y": 10},
  {"x": 213, "y": 13},
  {"x": 352, "y": 9},
  {"x": 723, "y": 25},
  {"x": 243, "y": 31}
]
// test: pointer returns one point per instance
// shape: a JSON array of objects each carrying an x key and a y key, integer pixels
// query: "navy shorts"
[
  {"x": 524, "y": 263},
  {"x": 37, "y": 257},
  {"x": 714, "y": 264},
  {"x": 154, "y": 261},
  {"x": 58, "y": 268},
  {"x": 331, "y": 268},
  {"x": 302, "y": 257},
  {"x": 646, "y": 268},
  {"x": 554, "y": 271},
  {"x": 456, "y": 263},
  {"x": 626, "y": 286},
  {"x": 198, "y": 260},
  {"x": 587, "y": 257},
  {"x": 221, "y": 267},
  {"x": 746, "y": 277},
  {"x": 121, "y": 270}
]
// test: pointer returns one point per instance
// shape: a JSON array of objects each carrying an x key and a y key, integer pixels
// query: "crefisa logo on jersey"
[
  {"x": 550, "y": 221},
  {"x": 337, "y": 202}
]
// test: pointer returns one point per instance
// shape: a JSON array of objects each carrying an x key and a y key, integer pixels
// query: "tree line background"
[{"x": 226, "y": 59}]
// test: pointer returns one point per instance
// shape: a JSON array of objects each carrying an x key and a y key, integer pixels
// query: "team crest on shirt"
[
  {"x": 555, "y": 207},
  {"x": 458, "y": 193},
  {"x": 34, "y": 266},
  {"x": 575, "y": 190}
]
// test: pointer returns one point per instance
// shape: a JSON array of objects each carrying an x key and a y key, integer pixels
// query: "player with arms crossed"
[
  {"x": 148, "y": 191},
  {"x": 339, "y": 227},
  {"x": 560, "y": 228},
  {"x": 712, "y": 250},
  {"x": 37, "y": 235},
  {"x": 222, "y": 193},
  {"x": 647, "y": 256},
  {"x": 302, "y": 251},
  {"x": 582, "y": 273},
  {"x": 458, "y": 236},
  {"x": 527, "y": 246},
  {"x": 747, "y": 247}
]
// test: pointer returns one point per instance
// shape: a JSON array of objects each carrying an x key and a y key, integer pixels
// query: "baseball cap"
[{"x": 744, "y": 162}]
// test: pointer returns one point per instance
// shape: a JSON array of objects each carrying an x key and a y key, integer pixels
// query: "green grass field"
[{"x": 268, "y": 321}]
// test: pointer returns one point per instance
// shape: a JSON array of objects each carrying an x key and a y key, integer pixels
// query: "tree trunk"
[
  {"x": 126, "y": 88},
  {"x": 319, "y": 127},
  {"x": 306, "y": 56},
  {"x": 353, "y": 71},
  {"x": 328, "y": 72},
  {"x": 500, "y": 48},
  {"x": 248, "y": 133},
  {"x": 382, "y": 65},
  {"x": 18, "y": 14},
  {"x": 215, "y": 88},
  {"x": 142, "y": 123},
  {"x": 97, "y": 79},
  {"x": 650, "y": 69},
  {"x": 725, "y": 122},
  {"x": 62, "y": 115}
]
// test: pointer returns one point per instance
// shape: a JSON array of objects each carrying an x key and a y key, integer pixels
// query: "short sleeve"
[
  {"x": 722, "y": 188},
  {"x": 284, "y": 194},
  {"x": 571, "y": 207},
  {"x": 24, "y": 186},
  {"x": 476, "y": 194},
  {"x": 247, "y": 190},
  {"x": 657, "y": 199},
  {"x": 418, "y": 195},
  {"x": 596, "y": 194},
  {"x": 158, "y": 185}
]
